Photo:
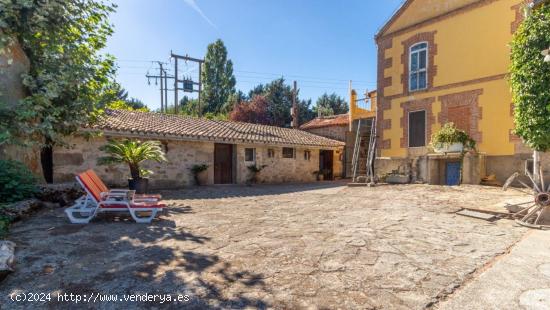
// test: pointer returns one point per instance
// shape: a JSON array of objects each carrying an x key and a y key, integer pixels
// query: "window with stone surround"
[
  {"x": 418, "y": 66},
  {"x": 307, "y": 155},
  {"x": 250, "y": 154},
  {"x": 270, "y": 153},
  {"x": 417, "y": 128},
  {"x": 288, "y": 152}
]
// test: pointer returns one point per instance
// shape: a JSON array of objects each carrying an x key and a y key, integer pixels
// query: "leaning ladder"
[
  {"x": 372, "y": 151},
  {"x": 356, "y": 151}
]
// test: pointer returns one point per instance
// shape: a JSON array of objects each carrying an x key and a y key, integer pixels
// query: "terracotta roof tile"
[
  {"x": 190, "y": 128},
  {"x": 327, "y": 121}
]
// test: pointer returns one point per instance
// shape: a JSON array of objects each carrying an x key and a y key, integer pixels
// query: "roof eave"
[{"x": 131, "y": 134}]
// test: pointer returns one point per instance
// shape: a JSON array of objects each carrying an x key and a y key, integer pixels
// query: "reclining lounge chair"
[{"x": 99, "y": 198}]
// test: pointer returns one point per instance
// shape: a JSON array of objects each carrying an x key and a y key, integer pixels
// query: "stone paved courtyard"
[{"x": 317, "y": 245}]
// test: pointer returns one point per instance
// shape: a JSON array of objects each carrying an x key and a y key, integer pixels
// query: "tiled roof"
[
  {"x": 327, "y": 121},
  {"x": 167, "y": 126}
]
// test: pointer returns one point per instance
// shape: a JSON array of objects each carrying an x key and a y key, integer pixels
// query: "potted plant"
[
  {"x": 199, "y": 174},
  {"x": 133, "y": 153},
  {"x": 319, "y": 175},
  {"x": 450, "y": 139},
  {"x": 254, "y": 170}
]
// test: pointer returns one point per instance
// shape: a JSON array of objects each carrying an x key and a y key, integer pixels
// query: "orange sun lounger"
[{"x": 99, "y": 198}]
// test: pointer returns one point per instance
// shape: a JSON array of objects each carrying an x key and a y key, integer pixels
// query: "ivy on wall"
[{"x": 530, "y": 79}]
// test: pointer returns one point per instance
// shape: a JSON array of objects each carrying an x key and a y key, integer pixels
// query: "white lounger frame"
[{"x": 86, "y": 207}]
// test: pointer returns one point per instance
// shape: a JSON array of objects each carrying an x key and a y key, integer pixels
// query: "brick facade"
[
  {"x": 462, "y": 109},
  {"x": 412, "y": 106},
  {"x": 383, "y": 82},
  {"x": 428, "y": 37}
]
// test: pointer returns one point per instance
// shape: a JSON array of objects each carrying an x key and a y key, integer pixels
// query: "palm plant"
[{"x": 133, "y": 153}]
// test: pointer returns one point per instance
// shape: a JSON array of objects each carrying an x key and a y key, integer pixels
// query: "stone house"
[
  {"x": 228, "y": 148},
  {"x": 447, "y": 61},
  {"x": 334, "y": 126}
]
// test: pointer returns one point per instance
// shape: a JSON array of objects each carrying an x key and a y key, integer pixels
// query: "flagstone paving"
[{"x": 319, "y": 245}]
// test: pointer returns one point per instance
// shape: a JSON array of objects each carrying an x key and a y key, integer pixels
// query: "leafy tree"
[
  {"x": 190, "y": 106},
  {"x": 279, "y": 98},
  {"x": 530, "y": 78},
  {"x": 62, "y": 40},
  {"x": 255, "y": 111},
  {"x": 234, "y": 99},
  {"x": 217, "y": 77},
  {"x": 116, "y": 97},
  {"x": 305, "y": 114},
  {"x": 331, "y": 105}
]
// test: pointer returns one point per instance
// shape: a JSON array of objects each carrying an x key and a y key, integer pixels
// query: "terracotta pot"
[{"x": 202, "y": 178}]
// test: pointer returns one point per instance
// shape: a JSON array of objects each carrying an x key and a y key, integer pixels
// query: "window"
[
  {"x": 270, "y": 153},
  {"x": 417, "y": 129},
  {"x": 288, "y": 152},
  {"x": 307, "y": 155},
  {"x": 249, "y": 154},
  {"x": 418, "y": 64}
]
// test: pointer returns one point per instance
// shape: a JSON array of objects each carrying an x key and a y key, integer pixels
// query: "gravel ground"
[{"x": 319, "y": 245}]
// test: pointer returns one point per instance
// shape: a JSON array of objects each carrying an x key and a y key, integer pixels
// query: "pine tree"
[{"x": 331, "y": 105}]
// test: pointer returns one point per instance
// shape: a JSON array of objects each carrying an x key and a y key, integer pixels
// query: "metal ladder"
[
  {"x": 372, "y": 152},
  {"x": 356, "y": 151}
]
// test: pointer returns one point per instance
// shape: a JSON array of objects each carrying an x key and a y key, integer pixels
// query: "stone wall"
[
  {"x": 13, "y": 63},
  {"x": 332, "y": 132},
  {"x": 282, "y": 170},
  {"x": 181, "y": 157},
  {"x": 172, "y": 174}
]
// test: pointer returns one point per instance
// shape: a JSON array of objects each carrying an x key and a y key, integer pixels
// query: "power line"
[{"x": 267, "y": 73}]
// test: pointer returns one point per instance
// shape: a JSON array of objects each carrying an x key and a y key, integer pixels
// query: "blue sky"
[{"x": 320, "y": 44}]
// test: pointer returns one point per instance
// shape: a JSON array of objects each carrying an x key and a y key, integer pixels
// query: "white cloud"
[{"x": 193, "y": 4}]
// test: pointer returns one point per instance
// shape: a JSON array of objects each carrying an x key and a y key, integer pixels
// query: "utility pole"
[
  {"x": 165, "y": 92},
  {"x": 161, "y": 88},
  {"x": 187, "y": 83},
  {"x": 294, "y": 107},
  {"x": 163, "y": 76},
  {"x": 176, "y": 103}
]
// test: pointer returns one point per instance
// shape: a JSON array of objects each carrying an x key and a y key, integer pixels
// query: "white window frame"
[
  {"x": 417, "y": 72},
  {"x": 425, "y": 129},
  {"x": 253, "y": 155}
]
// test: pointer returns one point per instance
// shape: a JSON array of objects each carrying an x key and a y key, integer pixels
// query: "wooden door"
[
  {"x": 326, "y": 158},
  {"x": 223, "y": 163}
]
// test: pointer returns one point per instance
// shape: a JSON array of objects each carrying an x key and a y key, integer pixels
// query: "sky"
[{"x": 321, "y": 44}]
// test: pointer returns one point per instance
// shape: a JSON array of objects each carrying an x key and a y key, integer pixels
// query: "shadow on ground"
[
  {"x": 236, "y": 191},
  {"x": 113, "y": 255}
]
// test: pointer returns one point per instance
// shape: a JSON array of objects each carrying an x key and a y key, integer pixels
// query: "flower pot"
[
  {"x": 449, "y": 148},
  {"x": 141, "y": 186},
  {"x": 397, "y": 179},
  {"x": 202, "y": 178}
]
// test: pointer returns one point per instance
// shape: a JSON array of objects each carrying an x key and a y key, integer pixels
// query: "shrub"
[
  {"x": 449, "y": 134},
  {"x": 16, "y": 181}
]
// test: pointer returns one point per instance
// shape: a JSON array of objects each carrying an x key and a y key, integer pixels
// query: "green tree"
[
  {"x": 62, "y": 40},
  {"x": 330, "y": 105},
  {"x": 217, "y": 77},
  {"x": 115, "y": 97},
  {"x": 279, "y": 98},
  {"x": 530, "y": 80}
]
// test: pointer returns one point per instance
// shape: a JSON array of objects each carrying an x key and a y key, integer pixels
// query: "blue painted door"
[{"x": 452, "y": 175}]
